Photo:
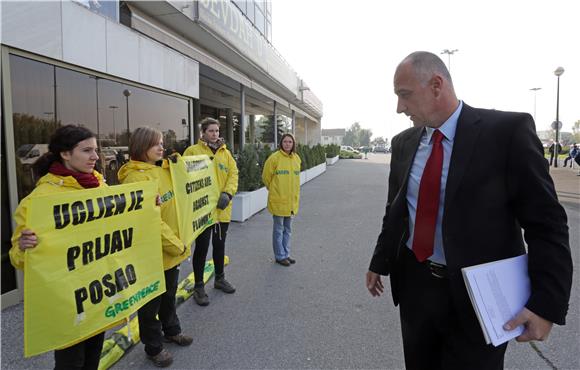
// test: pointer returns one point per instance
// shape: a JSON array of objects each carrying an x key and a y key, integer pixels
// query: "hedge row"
[{"x": 251, "y": 161}]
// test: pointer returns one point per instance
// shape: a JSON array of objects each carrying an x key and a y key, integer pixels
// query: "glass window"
[
  {"x": 284, "y": 124},
  {"x": 107, "y": 8},
  {"x": 260, "y": 6},
  {"x": 34, "y": 116},
  {"x": 8, "y": 271},
  {"x": 264, "y": 126},
  {"x": 260, "y": 22},
  {"x": 250, "y": 11},
  {"x": 110, "y": 109},
  {"x": 164, "y": 113},
  {"x": 241, "y": 4}
]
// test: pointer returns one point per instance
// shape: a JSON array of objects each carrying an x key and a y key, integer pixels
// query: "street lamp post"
[
  {"x": 558, "y": 72},
  {"x": 449, "y": 54},
  {"x": 535, "y": 90},
  {"x": 127, "y": 93},
  {"x": 113, "y": 108}
]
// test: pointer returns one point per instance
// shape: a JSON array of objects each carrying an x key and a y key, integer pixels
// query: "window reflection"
[
  {"x": 45, "y": 97},
  {"x": 108, "y": 8},
  {"x": 259, "y": 21},
  {"x": 8, "y": 272},
  {"x": 34, "y": 116}
]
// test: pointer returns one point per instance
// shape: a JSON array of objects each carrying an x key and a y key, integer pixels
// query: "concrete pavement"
[{"x": 317, "y": 313}]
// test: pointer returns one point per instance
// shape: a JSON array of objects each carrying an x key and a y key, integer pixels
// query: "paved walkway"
[
  {"x": 567, "y": 183},
  {"x": 315, "y": 314}
]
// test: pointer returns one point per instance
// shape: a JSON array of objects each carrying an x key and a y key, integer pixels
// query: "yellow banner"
[
  {"x": 97, "y": 261},
  {"x": 196, "y": 195}
]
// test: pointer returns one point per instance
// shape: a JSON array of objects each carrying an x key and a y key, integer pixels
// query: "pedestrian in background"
[
  {"x": 67, "y": 166},
  {"x": 554, "y": 150},
  {"x": 571, "y": 155},
  {"x": 212, "y": 145},
  {"x": 450, "y": 206},
  {"x": 281, "y": 175},
  {"x": 158, "y": 321}
]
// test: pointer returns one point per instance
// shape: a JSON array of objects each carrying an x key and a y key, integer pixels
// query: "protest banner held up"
[
  {"x": 196, "y": 195},
  {"x": 98, "y": 260}
]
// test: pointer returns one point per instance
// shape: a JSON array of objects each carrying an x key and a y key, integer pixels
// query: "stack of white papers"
[{"x": 498, "y": 291}]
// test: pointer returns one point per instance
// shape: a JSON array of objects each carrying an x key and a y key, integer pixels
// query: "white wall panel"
[
  {"x": 34, "y": 26},
  {"x": 173, "y": 67},
  {"x": 151, "y": 62},
  {"x": 83, "y": 37},
  {"x": 65, "y": 31},
  {"x": 122, "y": 52},
  {"x": 191, "y": 78}
]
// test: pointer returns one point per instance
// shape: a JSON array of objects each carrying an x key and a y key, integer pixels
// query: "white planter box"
[
  {"x": 331, "y": 161},
  {"x": 248, "y": 203},
  {"x": 303, "y": 177},
  {"x": 315, "y": 171}
]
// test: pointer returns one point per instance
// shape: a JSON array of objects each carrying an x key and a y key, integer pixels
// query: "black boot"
[{"x": 222, "y": 284}]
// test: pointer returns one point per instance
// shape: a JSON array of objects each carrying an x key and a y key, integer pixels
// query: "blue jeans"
[{"x": 281, "y": 237}]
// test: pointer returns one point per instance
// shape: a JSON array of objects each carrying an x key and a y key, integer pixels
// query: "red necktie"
[{"x": 428, "y": 203}]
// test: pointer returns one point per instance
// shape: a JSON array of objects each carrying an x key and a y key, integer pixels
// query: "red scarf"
[{"x": 87, "y": 180}]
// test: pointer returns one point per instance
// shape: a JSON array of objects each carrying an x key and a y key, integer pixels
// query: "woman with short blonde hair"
[{"x": 158, "y": 321}]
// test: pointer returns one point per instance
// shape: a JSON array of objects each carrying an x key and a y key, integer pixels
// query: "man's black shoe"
[{"x": 283, "y": 262}]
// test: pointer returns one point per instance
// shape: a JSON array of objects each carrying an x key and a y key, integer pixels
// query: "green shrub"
[
  {"x": 263, "y": 154},
  {"x": 319, "y": 155},
  {"x": 332, "y": 150},
  {"x": 301, "y": 150},
  {"x": 250, "y": 171},
  {"x": 251, "y": 162},
  {"x": 346, "y": 154}
]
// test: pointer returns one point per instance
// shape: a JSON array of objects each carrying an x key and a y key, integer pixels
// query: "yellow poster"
[
  {"x": 196, "y": 195},
  {"x": 97, "y": 261}
]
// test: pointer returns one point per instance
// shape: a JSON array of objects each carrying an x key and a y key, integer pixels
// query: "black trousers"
[
  {"x": 433, "y": 336},
  {"x": 151, "y": 329},
  {"x": 82, "y": 356},
  {"x": 217, "y": 233}
]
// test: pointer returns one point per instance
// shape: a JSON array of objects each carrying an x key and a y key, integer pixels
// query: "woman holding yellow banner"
[
  {"x": 226, "y": 169},
  {"x": 145, "y": 152},
  {"x": 281, "y": 175},
  {"x": 67, "y": 166}
]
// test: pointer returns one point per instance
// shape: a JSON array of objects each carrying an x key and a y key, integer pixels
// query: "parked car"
[
  {"x": 111, "y": 158},
  {"x": 348, "y": 148},
  {"x": 380, "y": 149},
  {"x": 29, "y": 153}
]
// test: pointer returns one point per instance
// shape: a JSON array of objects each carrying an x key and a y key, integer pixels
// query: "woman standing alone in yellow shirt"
[{"x": 281, "y": 175}]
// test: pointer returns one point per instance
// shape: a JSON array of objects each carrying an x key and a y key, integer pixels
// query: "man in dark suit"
[{"x": 463, "y": 184}]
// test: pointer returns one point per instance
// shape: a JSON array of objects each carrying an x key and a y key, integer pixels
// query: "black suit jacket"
[{"x": 498, "y": 184}]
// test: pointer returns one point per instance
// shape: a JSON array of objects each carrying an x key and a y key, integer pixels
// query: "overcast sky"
[{"x": 347, "y": 52}]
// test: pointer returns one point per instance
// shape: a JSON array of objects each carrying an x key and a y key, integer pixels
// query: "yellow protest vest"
[
  {"x": 226, "y": 172},
  {"x": 174, "y": 251},
  {"x": 281, "y": 175}
]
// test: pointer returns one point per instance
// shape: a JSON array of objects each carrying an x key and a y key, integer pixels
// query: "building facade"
[
  {"x": 332, "y": 136},
  {"x": 113, "y": 66}
]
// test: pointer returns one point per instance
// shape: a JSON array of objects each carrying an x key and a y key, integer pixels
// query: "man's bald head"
[
  {"x": 424, "y": 89},
  {"x": 426, "y": 64}
]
